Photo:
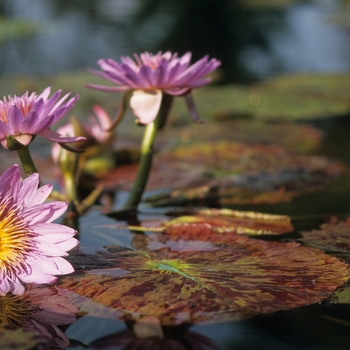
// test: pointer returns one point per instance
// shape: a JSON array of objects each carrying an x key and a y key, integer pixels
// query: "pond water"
[{"x": 302, "y": 37}]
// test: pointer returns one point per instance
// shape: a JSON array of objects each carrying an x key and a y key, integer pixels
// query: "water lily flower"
[
  {"x": 150, "y": 76},
  {"x": 24, "y": 117},
  {"x": 31, "y": 245},
  {"x": 97, "y": 144}
]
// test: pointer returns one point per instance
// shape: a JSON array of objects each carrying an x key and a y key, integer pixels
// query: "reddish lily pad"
[
  {"x": 331, "y": 237},
  {"x": 237, "y": 173},
  {"x": 213, "y": 194},
  {"x": 209, "y": 283},
  {"x": 240, "y": 158},
  {"x": 205, "y": 222},
  {"x": 231, "y": 171},
  {"x": 230, "y": 221}
]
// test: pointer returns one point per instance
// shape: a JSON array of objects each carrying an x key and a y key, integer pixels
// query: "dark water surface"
[{"x": 305, "y": 37}]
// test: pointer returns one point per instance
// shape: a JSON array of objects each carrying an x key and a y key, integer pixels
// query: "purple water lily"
[
  {"x": 150, "y": 76},
  {"x": 31, "y": 245},
  {"x": 24, "y": 117}
]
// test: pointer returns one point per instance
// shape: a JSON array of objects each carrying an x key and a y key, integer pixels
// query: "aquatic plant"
[
  {"x": 31, "y": 245},
  {"x": 24, "y": 117},
  {"x": 153, "y": 81}
]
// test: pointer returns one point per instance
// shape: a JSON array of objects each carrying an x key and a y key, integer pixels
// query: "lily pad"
[
  {"x": 222, "y": 221},
  {"x": 342, "y": 295},
  {"x": 330, "y": 237},
  {"x": 219, "y": 223},
  {"x": 294, "y": 97},
  {"x": 289, "y": 135},
  {"x": 238, "y": 173},
  {"x": 210, "y": 282}
]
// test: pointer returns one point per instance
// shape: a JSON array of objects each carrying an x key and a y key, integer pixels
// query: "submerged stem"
[
  {"x": 149, "y": 137},
  {"x": 27, "y": 161}
]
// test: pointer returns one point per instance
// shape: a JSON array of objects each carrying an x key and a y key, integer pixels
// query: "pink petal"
[
  {"x": 23, "y": 139},
  {"x": 145, "y": 104},
  {"x": 52, "y": 232},
  {"x": 4, "y": 130},
  {"x": 177, "y": 91},
  {"x": 30, "y": 122},
  {"x": 45, "y": 94},
  {"x": 56, "y": 137},
  {"x": 63, "y": 265},
  {"x": 10, "y": 181},
  {"x": 15, "y": 118},
  {"x": 192, "y": 108},
  {"x": 105, "y": 88},
  {"x": 46, "y": 212}
]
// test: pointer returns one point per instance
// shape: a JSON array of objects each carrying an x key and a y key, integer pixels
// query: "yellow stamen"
[{"x": 15, "y": 238}]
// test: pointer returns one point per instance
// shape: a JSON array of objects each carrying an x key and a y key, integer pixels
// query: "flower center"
[
  {"x": 24, "y": 103},
  {"x": 15, "y": 238}
]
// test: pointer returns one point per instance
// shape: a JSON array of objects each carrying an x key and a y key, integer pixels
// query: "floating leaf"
[
  {"x": 241, "y": 158},
  {"x": 341, "y": 295},
  {"x": 293, "y": 97},
  {"x": 209, "y": 283},
  {"x": 331, "y": 237},
  {"x": 237, "y": 173},
  {"x": 209, "y": 195},
  {"x": 220, "y": 221},
  {"x": 291, "y": 136}
]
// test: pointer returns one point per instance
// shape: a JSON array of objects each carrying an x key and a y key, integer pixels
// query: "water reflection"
[
  {"x": 39, "y": 310},
  {"x": 148, "y": 334}
]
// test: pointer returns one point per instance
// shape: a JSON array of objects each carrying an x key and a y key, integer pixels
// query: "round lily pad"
[{"x": 186, "y": 281}]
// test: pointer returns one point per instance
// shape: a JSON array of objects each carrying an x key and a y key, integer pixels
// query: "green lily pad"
[
  {"x": 294, "y": 97},
  {"x": 181, "y": 281}
]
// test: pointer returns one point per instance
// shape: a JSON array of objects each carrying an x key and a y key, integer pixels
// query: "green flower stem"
[
  {"x": 144, "y": 169},
  {"x": 27, "y": 161},
  {"x": 70, "y": 186}
]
